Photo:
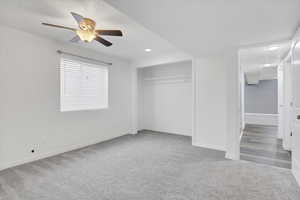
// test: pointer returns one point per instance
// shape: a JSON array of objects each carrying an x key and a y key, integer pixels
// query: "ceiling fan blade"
[
  {"x": 58, "y": 26},
  {"x": 103, "y": 41},
  {"x": 109, "y": 32},
  {"x": 75, "y": 39},
  {"x": 77, "y": 17}
]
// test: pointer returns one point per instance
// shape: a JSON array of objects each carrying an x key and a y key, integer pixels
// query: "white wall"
[
  {"x": 30, "y": 93},
  {"x": 255, "y": 73},
  {"x": 242, "y": 89},
  {"x": 262, "y": 119},
  {"x": 269, "y": 73},
  {"x": 233, "y": 105},
  {"x": 210, "y": 79},
  {"x": 280, "y": 102},
  {"x": 165, "y": 98},
  {"x": 134, "y": 101}
]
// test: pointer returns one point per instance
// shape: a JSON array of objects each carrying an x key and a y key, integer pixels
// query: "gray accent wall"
[{"x": 262, "y": 98}]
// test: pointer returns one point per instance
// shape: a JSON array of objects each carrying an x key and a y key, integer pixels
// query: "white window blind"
[{"x": 84, "y": 86}]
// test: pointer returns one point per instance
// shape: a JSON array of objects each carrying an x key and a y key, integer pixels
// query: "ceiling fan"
[{"x": 87, "y": 31}]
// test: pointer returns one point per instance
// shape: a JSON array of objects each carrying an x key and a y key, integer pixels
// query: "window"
[{"x": 84, "y": 85}]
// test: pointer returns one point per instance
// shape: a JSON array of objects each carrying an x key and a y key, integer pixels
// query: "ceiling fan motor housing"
[
  {"x": 87, "y": 30},
  {"x": 87, "y": 24}
]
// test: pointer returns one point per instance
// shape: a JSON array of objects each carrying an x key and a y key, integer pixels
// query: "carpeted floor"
[{"x": 148, "y": 166}]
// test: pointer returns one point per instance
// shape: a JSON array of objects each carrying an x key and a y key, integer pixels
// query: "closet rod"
[{"x": 83, "y": 57}]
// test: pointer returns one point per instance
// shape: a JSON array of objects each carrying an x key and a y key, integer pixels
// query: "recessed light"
[
  {"x": 148, "y": 50},
  {"x": 269, "y": 65},
  {"x": 273, "y": 48}
]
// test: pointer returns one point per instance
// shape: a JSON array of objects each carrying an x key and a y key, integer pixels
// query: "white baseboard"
[
  {"x": 261, "y": 119},
  {"x": 57, "y": 151},
  {"x": 168, "y": 132},
  {"x": 209, "y": 146},
  {"x": 296, "y": 170}
]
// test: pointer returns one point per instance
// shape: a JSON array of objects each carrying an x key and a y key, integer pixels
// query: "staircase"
[{"x": 260, "y": 144}]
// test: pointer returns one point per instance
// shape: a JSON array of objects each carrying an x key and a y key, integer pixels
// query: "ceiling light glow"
[
  {"x": 268, "y": 65},
  {"x": 148, "y": 50},
  {"x": 273, "y": 48}
]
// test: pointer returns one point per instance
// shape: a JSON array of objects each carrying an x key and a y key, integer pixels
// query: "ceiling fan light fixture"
[
  {"x": 86, "y": 36},
  {"x": 87, "y": 30},
  {"x": 87, "y": 24}
]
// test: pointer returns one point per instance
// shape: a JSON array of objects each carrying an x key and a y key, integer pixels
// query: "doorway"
[
  {"x": 295, "y": 115},
  {"x": 262, "y": 93}
]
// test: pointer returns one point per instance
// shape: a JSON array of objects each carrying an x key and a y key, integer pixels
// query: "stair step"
[{"x": 267, "y": 161}]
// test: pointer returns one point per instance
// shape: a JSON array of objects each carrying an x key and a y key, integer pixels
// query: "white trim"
[
  {"x": 234, "y": 107},
  {"x": 241, "y": 134},
  {"x": 134, "y": 101},
  {"x": 194, "y": 99},
  {"x": 261, "y": 119},
  {"x": 296, "y": 170},
  {"x": 167, "y": 132},
  {"x": 235, "y": 155},
  {"x": 209, "y": 146}
]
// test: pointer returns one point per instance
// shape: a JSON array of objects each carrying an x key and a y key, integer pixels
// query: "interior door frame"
[
  {"x": 287, "y": 109},
  {"x": 280, "y": 101},
  {"x": 295, "y": 119}
]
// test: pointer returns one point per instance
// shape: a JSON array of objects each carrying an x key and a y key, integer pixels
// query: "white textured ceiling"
[
  {"x": 27, "y": 15},
  {"x": 260, "y": 63},
  {"x": 169, "y": 27},
  {"x": 212, "y": 27},
  {"x": 261, "y": 55}
]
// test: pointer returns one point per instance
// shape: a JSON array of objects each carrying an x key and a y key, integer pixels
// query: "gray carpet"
[{"x": 149, "y": 166}]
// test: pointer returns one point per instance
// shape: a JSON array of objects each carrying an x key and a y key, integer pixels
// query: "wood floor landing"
[{"x": 260, "y": 144}]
